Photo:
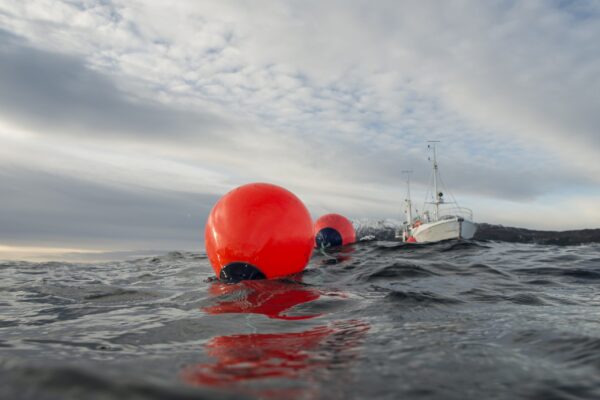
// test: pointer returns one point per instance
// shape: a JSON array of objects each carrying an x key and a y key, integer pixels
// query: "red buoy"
[
  {"x": 258, "y": 231},
  {"x": 334, "y": 230}
]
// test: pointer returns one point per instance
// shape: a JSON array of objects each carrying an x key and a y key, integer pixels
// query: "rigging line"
[
  {"x": 448, "y": 191},
  {"x": 408, "y": 200},
  {"x": 444, "y": 187},
  {"x": 428, "y": 190}
]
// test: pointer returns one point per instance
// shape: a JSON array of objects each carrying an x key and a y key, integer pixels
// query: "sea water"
[{"x": 377, "y": 319}]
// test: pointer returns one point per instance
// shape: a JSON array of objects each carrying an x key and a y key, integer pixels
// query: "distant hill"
[{"x": 521, "y": 235}]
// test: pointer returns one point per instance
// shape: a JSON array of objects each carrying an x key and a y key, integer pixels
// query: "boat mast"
[
  {"x": 435, "y": 179},
  {"x": 408, "y": 201}
]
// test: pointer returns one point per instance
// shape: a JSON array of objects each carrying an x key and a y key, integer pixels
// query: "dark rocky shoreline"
[{"x": 522, "y": 235}]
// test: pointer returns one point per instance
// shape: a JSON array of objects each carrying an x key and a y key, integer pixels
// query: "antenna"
[
  {"x": 408, "y": 200},
  {"x": 407, "y": 172},
  {"x": 438, "y": 199}
]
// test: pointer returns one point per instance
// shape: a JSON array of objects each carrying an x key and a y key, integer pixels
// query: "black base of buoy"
[
  {"x": 237, "y": 271},
  {"x": 328, "y": 237}
]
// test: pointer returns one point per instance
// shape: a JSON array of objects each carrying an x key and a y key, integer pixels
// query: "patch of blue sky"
[{"x": 579, "y": 10}]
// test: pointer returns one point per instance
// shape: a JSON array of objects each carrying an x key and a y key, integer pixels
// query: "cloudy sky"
[{"x": 122, "y": 122}]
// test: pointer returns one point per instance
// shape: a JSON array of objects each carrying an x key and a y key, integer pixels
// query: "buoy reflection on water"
[
  {"x": 243, "y": 361},
  {"x": 300, "y": 356},
  {"x": 268, "y": 297}
]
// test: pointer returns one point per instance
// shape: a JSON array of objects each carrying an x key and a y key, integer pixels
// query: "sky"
[{"x": 123, "y": 122}]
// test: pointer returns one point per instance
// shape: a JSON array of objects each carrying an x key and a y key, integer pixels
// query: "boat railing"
[{"x": 464, "y": 212}]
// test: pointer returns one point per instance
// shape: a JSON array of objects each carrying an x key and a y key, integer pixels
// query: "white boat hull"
[{"x": 455, "y": 228}]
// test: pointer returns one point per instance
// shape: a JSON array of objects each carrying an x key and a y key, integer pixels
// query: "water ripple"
[{"x": 378, "y": 319}]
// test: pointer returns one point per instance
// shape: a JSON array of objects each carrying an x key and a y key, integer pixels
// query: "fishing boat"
[{"x": 440, "y": 219}]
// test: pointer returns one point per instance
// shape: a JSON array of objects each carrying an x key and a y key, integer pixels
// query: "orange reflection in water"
[
  {"x": 278, "y": 355},
  {"x": 267, "y": 297},
  {"x": 291, "y": 356}
]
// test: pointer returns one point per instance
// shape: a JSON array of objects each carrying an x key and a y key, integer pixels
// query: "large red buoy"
[
  {"x": 258, "y": 231},
  {"x": 334, "y": 230}
]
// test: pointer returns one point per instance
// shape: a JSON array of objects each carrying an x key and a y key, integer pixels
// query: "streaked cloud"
[
  {"x": 179, "y": 103},
  {"x": 57, "y": 94},
  {"x": 58, "y": 211}
]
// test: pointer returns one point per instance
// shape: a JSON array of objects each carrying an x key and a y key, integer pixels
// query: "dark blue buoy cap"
[
  {"x": 237, "y": 271},
  {"x": 328, "y": 237}
]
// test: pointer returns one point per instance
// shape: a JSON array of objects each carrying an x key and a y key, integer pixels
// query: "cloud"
[
  {"x": 332, "y": 100},
  {"x": 545, "y": 212},
  {"x": 57, "y": 94},
  {"x": 51, "y": 210}
]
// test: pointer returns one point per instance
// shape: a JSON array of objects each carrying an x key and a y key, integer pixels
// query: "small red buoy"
[
  {"x": 334, "y": 230},
  {"x": 258, "y": 231},
  {"x": 411, "y": 239}
]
